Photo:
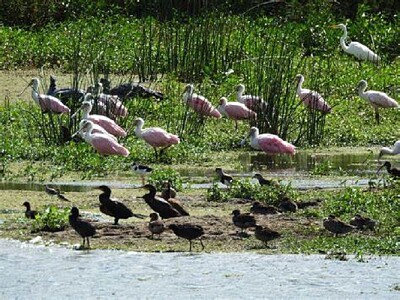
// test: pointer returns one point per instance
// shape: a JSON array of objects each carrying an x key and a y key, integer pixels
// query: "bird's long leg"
[
  {"x": 377, "y": 116},
  {"x": 83, "y": 244},
  {"x": 190, "y": 245},
  {"x": 88, "y": 243},
  {"x": 236, "y": 125},
  {"x": 155, "y": 150},
  {"x": 142, "y": 179},
  {"x": 116, "y": 221},
  {"x": 202, "y": 245}
]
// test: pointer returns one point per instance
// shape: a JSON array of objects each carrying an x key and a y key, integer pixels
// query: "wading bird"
[
  {"x": 154, "y": 136},
  {"x": 395, "y": 172},
  {"x": 102, "y": 143},
  {"x": 223, "y": 177},
  {"x": 114, "y": 208},
  {"x": 48, "y": 104},
  {"x": 83, "y": 228},
  {"x": 287, "y": 205},
  {"x": 130, "y": 90},
  {"x": 188, "y": 232},
  {"x": 64, "y": 94},
  {"x": 96, "y": 129},
  {"x": 394, "y": 150},
  {"x": 259, "y": 209},
  {"x": 266, "y": 234},
  {"x": 361, "y": 222},
  {"x": 156, "y": 226},
  {"x": 55, "y": 192},
  {"x": 254, "y": 103},
  {"x": 336, "y": 226},
  {"x": 357, "y": 49},
  {"x": 311, "y": 99},
  {"x": 243, "y": 220},
  {"x": 112, "y": 102},
  {"x": 235, "y": 111},
  {"x": 263, "y": 181},
  {"x": 141, "y": 170},
  {"x": 30, "y": 214},
  {"x": 158, "y": 204},
  {"x": 269, "y": 143},
  {"x": 168, "y": 191},
  {"x": 103, "y": 121},
  {"x": 376, "y": 99},
  {"x": 199, "y": 103}
]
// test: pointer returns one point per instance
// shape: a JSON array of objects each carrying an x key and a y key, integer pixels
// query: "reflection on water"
[
  {"x": 33, "y": 272},
  {"x": 292, "y": 170}
]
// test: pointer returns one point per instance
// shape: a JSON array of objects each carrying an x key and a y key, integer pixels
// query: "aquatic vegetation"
[
  {"x": 51, "y": 219},
  {"x": 158, "y": 177}
]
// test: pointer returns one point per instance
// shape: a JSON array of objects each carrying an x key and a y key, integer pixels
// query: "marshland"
[{"x": 163, "y": 46}]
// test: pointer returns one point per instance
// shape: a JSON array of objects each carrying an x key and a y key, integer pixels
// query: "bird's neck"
[
  {"x": 85, "y": 113},
  {"x": 138, "y": 129},
  {"x": 104, "y": 197},
  {"x": 300, "y": 86},
  {"x": 35, "y": 95},
  {"x": 343, "y": 39},
  {"x": 361, "y": 91}
]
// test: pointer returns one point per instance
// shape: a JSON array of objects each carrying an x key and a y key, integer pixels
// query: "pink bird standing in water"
[
  {"x": 269, "y": 143},
  {"x": 47, "y": 103},
  {"x": 310, "y": 98},
  {"x": 155, "y": 136},
  {"x": 95, "y": 129},
  {"x": 251, "y": 101},
  {"x": 199, "y": 103},
  {"x": 105, "y": 122},
  {"x": 235, "y": 110},
  {"x": 103, "y": 143}
]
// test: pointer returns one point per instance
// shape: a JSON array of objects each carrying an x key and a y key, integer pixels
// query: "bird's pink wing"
[
  {"x": 252, "y": 102},
  {"x": 315, "y": 101},
  {"x": 273, "y": 144},
  {"x": 52, "y": 104},
  {"x": 381, "y": 99},
  {"x": 114, "y": 104},
  {"x": 107, "y": 146},
  {"x": 158, "y": 137},
  {"x": 109, "y": 125},
  {"x": 202, "y": 106},
  {"x": 238, "y": 111}
]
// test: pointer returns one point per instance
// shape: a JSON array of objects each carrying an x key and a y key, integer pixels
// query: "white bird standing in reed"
[
  {"x": 48, "y": 104},
  {"x": 235, "y": 110},
  {"x": 376, "y": 99},
  {"x": 357, "y": 49},
  {"x": 394, "y": 150}
]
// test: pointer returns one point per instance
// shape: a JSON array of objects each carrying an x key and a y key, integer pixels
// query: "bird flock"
[{"x": 102, "y": 133}]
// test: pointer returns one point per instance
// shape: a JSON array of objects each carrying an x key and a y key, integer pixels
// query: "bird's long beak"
[
  {"x": 380, "y": 168},
  {"x": 76, "y": 133},
  {"x": 30, "y": 83},
  {"x": 78, "y": 110},
  {"x": 333, "y": 26}
]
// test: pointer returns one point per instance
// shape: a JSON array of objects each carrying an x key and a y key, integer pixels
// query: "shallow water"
[{"x": 31, "y": 272}]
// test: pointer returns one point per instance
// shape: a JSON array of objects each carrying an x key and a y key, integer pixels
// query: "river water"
[{"x": 30, "y": 271}]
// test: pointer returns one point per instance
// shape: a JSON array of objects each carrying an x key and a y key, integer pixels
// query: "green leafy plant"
[
  {"x": 51, "y": 219},
  {"x": 159, "y": 176}
]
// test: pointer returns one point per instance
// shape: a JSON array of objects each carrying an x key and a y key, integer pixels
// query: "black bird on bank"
[
  {"x": 158, "y": 204},
  {"x": 64, "y": 94},
  {"x": 266, "y": 234},
  {"x": 156, "y": 226},
  {"x": 130, "y": 90},
  {"x": 287, "y": 205},
  {"x": 114, "y": 208},
  {"x": 258, "y": 208},
  {"x": 30, "y": 214},
  {"x": 55, "y": 192},
  {"x": 361, "y": 222},
  {"x": 223, "y": 177},
  {"x": 168, "y": 191},
  {"x": 263, "y": 181},
  {"x": 395, "y": 172},
  {"x": 188, "y": 232},
  {"x": 243, "y": 220},
  {"x": 83, "y": 228},
  {"x": 336, "y": 226}
]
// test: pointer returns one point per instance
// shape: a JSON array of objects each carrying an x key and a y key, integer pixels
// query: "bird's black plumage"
[
  {"x": 30, "y": 214},
  {"x": 130, "y": 90},
  {"x": 243, "y": 220},
  {"x": 83, "y": 228},
  {"x": 114, "y": 208},
  {"x": 55, "y": 192},
  {"x": 395, "y": 172},
  {"x": 223, "y": 177},
  {"x": 258, "y": 208},
  {"x": 266, "y": 234},
  {"x": 361, "y": 222},
  {"x": 336, "y": 226},
  {"x": 156, "y": 226},
  {"x": 158, "y": 204},
  {"x": 188, "y": 232},
  {"x": 64, "y": 94}
]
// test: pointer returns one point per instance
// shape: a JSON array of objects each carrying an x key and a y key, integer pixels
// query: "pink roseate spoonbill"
[
  {"x": 103, "y": 143},
  {"x": 47, "y": 103},
  {"x": 112, "y": 101},
  {"x": 311, "y": 99},
  {"x": 235, "y": 110},
  {"x": 105, "y": 122},
  {"x": 375, "y": 98},
  {"x": 199, "y": 103},
  {"x": 154, "y": 136},
  {"x": 270, "y": 143},
  {"x": 251, "y": 101},
  {"x": 394, "y": 150},
  {"x": 359, "y": 50},
  {"x": 96, "y": 129}
]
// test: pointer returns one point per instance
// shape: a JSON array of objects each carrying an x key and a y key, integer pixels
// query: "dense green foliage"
[{"x": 51, "y": 219}]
